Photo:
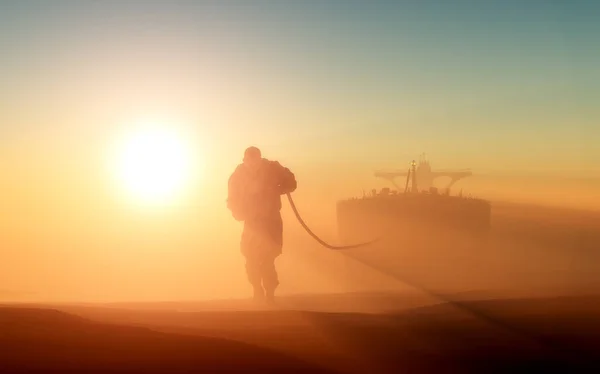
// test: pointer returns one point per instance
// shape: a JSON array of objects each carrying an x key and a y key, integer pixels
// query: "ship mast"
[{"x": 413, "y": 187}]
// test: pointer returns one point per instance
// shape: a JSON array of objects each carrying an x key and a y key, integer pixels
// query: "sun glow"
[{"x": 154, "y": 164}]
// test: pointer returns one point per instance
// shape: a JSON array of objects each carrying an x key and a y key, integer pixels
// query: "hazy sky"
[
  {"x": 334, "y": 89},
  {"x": 480, "y": 83}
]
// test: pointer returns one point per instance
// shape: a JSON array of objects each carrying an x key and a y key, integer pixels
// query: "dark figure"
[{"x": 254, "y": 196}]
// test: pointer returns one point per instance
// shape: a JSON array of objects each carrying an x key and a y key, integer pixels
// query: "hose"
[
  {"x": 322, "y": 242},
  {"x": 469, "y": 309}
]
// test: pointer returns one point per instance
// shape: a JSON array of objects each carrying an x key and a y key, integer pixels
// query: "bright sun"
[{"x": 154, "y": 164}]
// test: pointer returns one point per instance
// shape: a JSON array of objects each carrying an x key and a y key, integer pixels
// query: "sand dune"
[
  {"x": 38, "y": 340},
  {"x": 469, "y": 336}
]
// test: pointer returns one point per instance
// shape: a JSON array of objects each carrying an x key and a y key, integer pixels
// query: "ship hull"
[
  {"x": 435, "y": 242},
  {"x": 424, "y": 221}
]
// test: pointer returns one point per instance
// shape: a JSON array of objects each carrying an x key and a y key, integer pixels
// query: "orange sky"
[
  {"x": 334, "y": 96},
  {"x": 69, "y": 232}
]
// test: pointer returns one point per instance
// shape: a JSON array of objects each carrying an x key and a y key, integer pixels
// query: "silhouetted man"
[{"x": 254, "y": 196}]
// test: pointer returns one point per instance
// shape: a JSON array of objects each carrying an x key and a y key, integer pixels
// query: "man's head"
[{"x": 252, "y": 157}]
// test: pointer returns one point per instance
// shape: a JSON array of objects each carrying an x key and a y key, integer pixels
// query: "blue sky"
[{"x": 475, "y": 79}]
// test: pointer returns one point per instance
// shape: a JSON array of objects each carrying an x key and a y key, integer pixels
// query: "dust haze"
[
  {"x": 62, "y": 250},
  {"x": 171, "y": 291},
  {"x": 121, "y": 123}
]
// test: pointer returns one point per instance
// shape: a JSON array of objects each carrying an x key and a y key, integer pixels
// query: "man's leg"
[
  {"x": 254, "y": 274},
  {"x": 270, "y": 279},
  {"x": 261, "y": 244},
  {"x": 269, "y": 272},
  {"x": 250, "y": 246}
]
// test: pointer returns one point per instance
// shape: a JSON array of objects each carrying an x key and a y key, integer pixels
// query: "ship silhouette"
[{"x": 416, "y": 212}]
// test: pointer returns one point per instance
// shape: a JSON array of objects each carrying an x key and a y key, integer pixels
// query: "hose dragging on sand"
[{"x": 465, "y": 307}]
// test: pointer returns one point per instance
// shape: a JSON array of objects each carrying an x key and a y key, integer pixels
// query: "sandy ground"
[
  {"x": 530, "y": 334},
  {"x": 527, "y": 300}
]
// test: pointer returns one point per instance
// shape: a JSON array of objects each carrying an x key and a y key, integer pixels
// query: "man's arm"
[{"x": 287, "y": 180}]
